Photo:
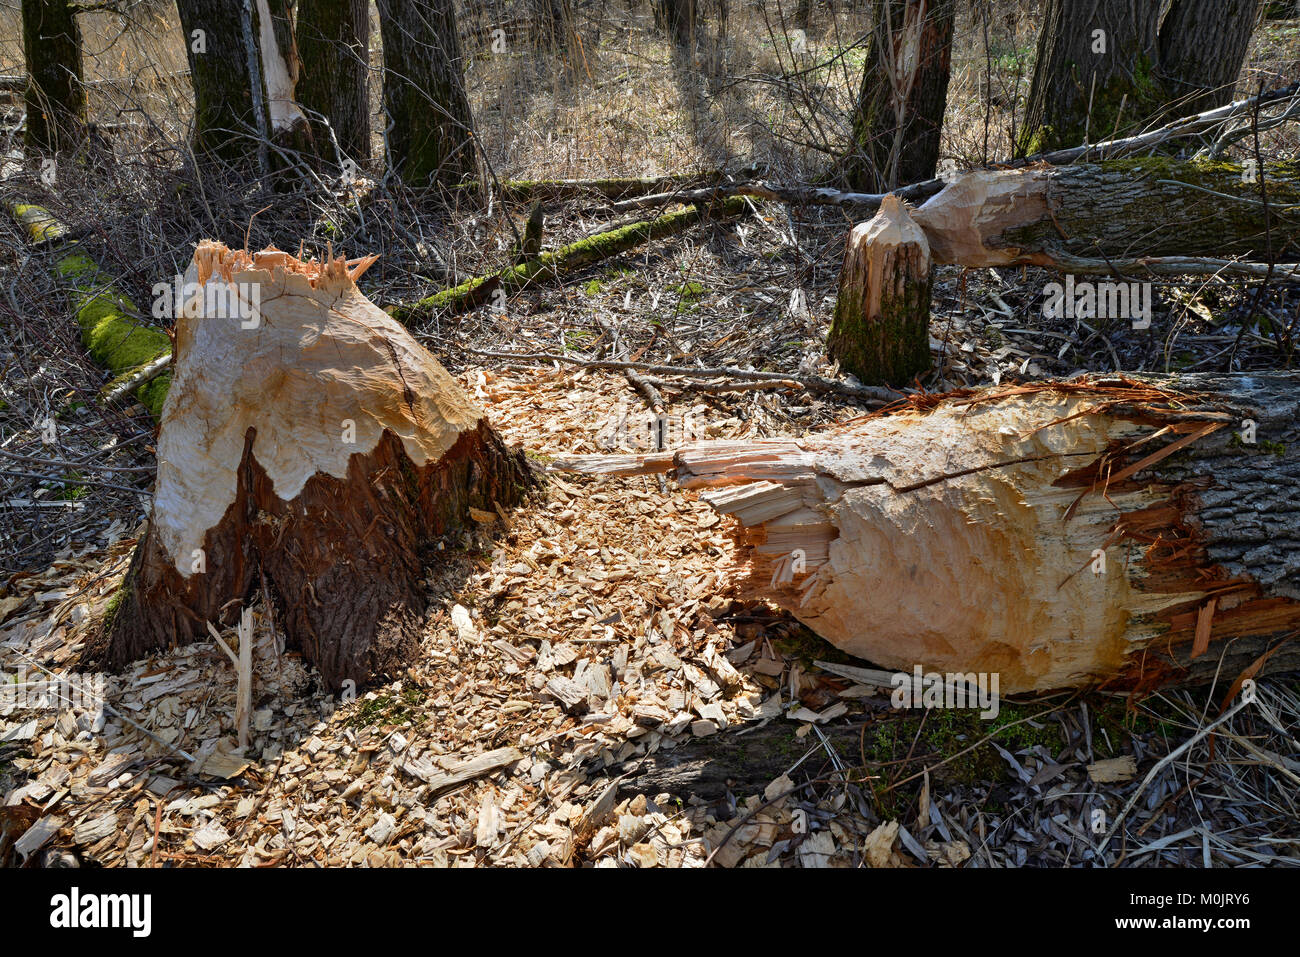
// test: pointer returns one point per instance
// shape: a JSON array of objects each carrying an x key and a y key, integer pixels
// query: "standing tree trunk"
[
  {"x": 310, "y": 445},
  {"x": 431, "y": 140},
  {"x": 334, "y": 45},
  {"x": 55, "y": 99},
  {"x": 1202, "y": 46},
  {"x": 243, "y": 69},
  {"x": 1105, "y": 64},
  {"x": 676, "y": 18},
  {"x": 553, "y": 18},
  {"x": 899, "y": 114},
  {"x": 881, "y": 331}
]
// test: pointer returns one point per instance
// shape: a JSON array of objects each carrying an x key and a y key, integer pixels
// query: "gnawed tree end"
[
  {"x": 881, "y": 330},
  {"x": 1125, "y": 532},
  {"x": 307, "y": 441}
]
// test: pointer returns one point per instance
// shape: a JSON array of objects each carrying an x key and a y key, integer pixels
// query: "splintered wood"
[
  {"x": 1056, "y": 535},
  {"x": 308, "y": 446}
]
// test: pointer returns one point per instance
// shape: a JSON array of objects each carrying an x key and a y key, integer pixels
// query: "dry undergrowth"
[{"x": 613, "y": 588}]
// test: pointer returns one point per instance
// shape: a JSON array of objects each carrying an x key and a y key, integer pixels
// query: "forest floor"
[{"x": 590, "y": 682}]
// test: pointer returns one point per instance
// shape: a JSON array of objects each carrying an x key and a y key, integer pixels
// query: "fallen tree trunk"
[
  {"x": 554, "y": 265},
  {"x": 1152, "y": 206},
  {"x": 310, "y": 443},
  {"x": 1114, "y": 531}
]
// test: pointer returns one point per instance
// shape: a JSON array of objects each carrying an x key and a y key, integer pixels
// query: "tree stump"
[
  {"x": 881, "y": 331},
  {"x": 309, "y": 442}
]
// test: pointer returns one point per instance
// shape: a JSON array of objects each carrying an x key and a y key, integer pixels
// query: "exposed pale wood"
[
  {"x": 964, "y": 537},
  {"x": 881, "y": 331},
  {"x": 308, "y": 437},
  {"x": 1114, "y": 209},
  {"x": 443, "y": 776}
]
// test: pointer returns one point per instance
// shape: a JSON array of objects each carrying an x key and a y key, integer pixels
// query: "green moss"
[
  {"x": 937, "y": 734},
  {"x": 592, "y": 288},
  {"x": 689, "y": 293},
  {"x": 114, "y": 604},
  {"x": 387, "y": 708},
  {"x": 110, "y": 333},
  {"x": 891, "y": 348},
  {"x": 551, "y": 265},
  {"x": 39, "y": 224}
]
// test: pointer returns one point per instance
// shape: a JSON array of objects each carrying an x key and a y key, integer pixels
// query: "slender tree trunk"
[
  {"x": 899, "y": 115},
  {"x": 431, "y": 135},
  {"x": 334, "y": 45},
  {"x": 1107, "y": 64},
  {"x": 1202, "y": 46},
  {"x": 676, "y": 18},
  {"x": 230, "y": 112},
  {"x": 554, "y": 19},
  {"x": 55, "y": 99}
]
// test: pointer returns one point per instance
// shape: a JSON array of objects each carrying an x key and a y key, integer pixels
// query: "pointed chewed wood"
[
  {"x": 881, "y": 331},
  {"x": 309, "y": 441}
]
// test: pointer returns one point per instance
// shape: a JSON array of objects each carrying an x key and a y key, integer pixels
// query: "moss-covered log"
[
  {"x": 881, "y": 330},
  {"x": 562, "y": 262},
  {"x": 110, "y": 331},
  {"x": 1125, "y": 208},
  {"x": 310, "y": 442}
]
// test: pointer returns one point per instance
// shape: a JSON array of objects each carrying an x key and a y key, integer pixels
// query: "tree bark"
[
  {"x": 676, "y": 18},
  {"x": 881, "y": 330},
  {"x": 899, "y": 114},
  {"x": 431, "y": 140},
  {"x": 1202, "y": 46},
  {"x": 1087, "y": 86},
  {"x": 1083, "y": 77},
  {"x": 1149, "y": 206},
  {"x": 244, "y": 70},
  {"x": 308, "y": 442},
  {"x": 334, "y": 44},
  {"x": 554, "y": 22},
  {"x": 55, "y": 96},
  {"x": 1124, "y": 532}
]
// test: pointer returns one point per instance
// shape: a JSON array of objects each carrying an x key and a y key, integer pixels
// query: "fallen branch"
[
  {"x": 864, "y": 203},
  {"x": 1175, "y": 266},
  {"x": 549, "y": 190},
  {"x": 554, "y": 265},
  {"x": 811, "y": 383}
]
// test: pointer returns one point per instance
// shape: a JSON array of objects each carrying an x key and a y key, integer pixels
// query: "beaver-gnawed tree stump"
[{"x": 309, "y": 441}]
